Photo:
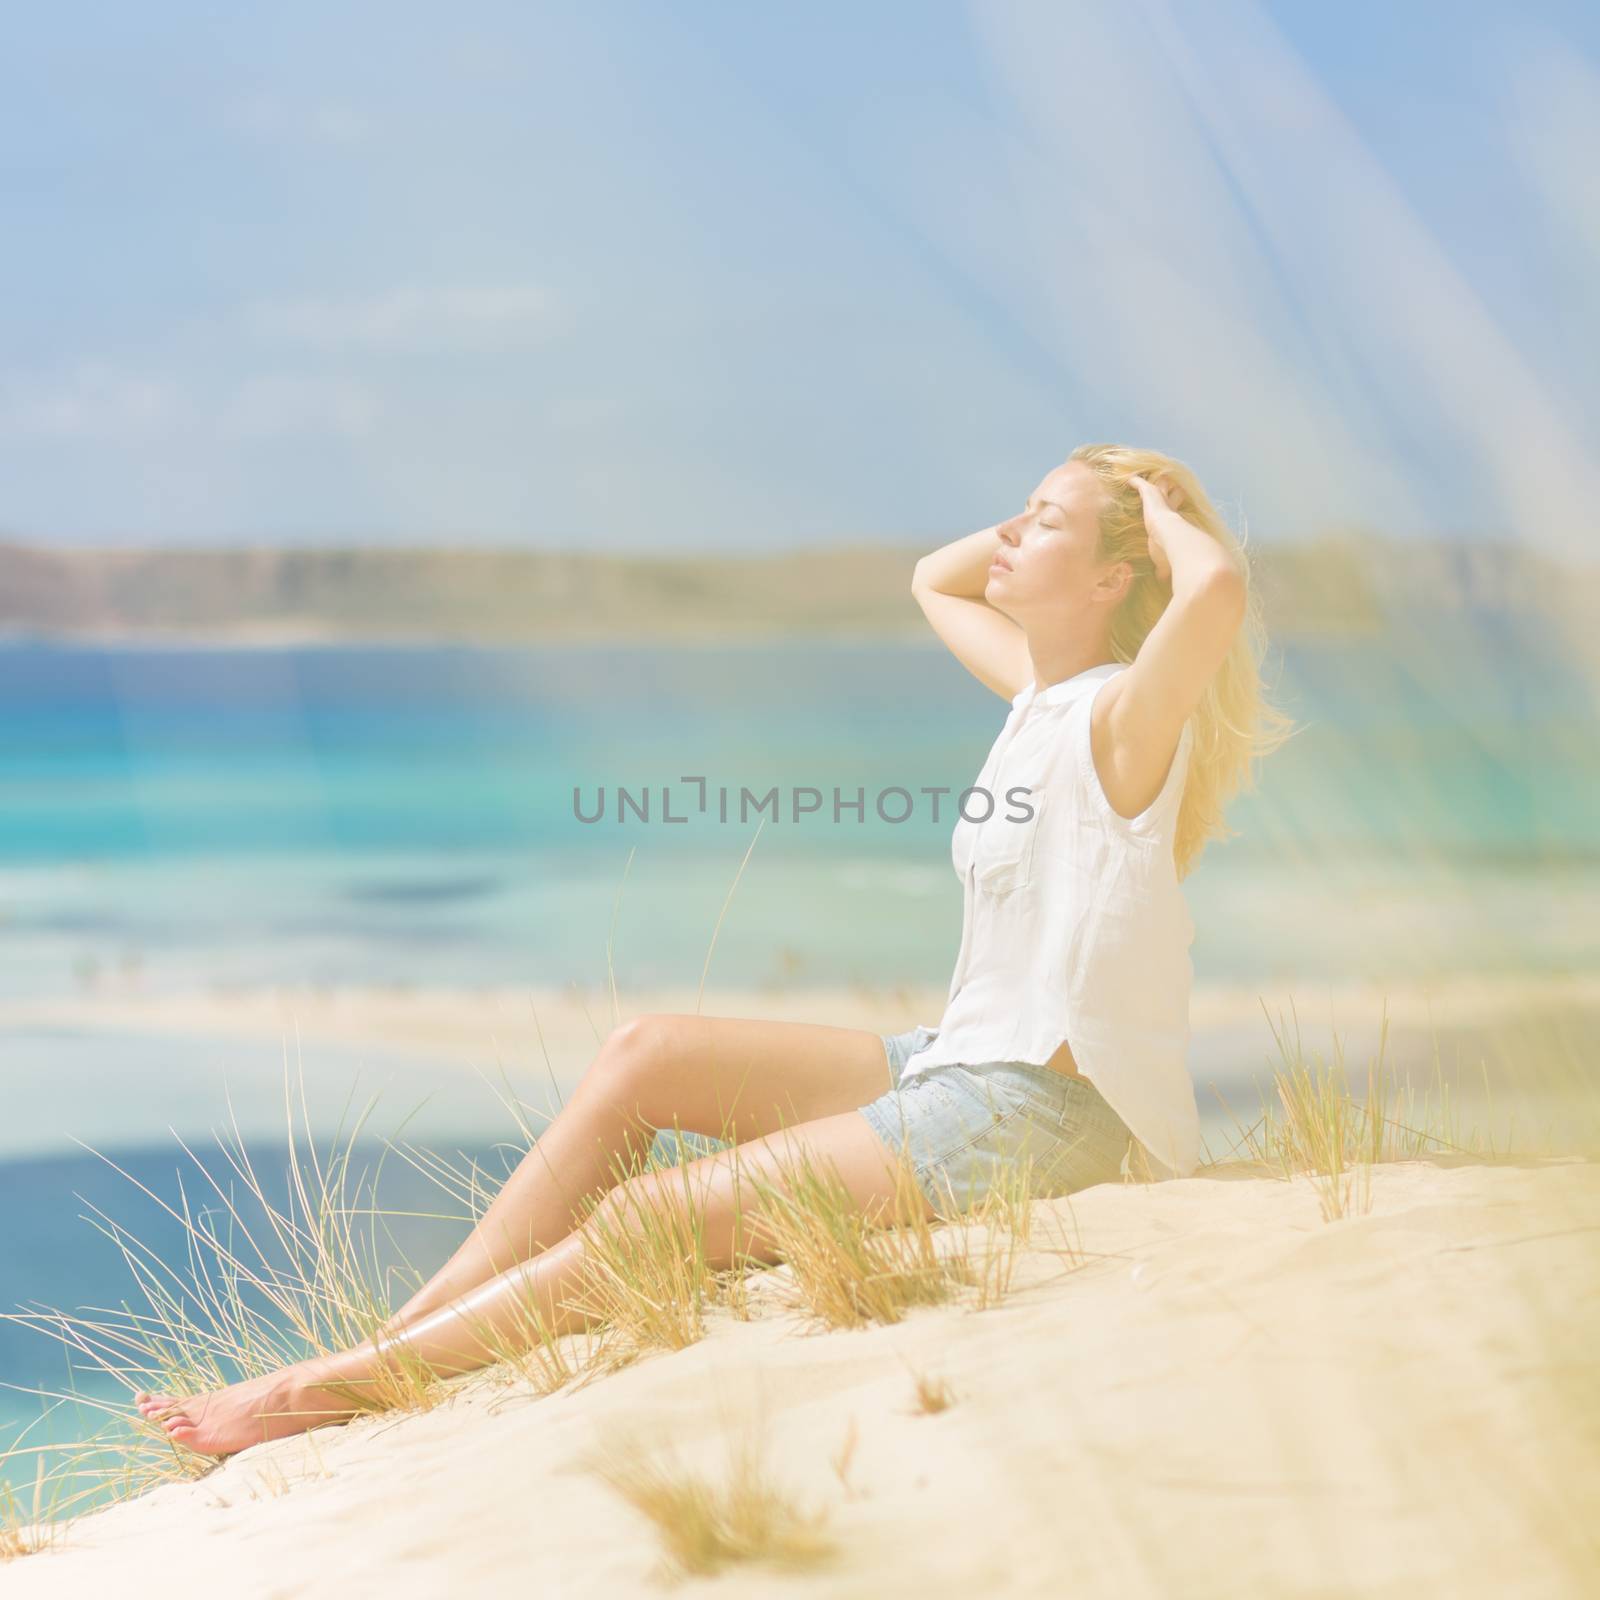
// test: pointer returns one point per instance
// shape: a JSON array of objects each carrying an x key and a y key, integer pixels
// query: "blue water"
[
  {"x": 408, "y": 814},
  {"x": 180, "y": 818}
]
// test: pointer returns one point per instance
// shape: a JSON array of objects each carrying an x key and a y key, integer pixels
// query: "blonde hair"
[{"x": 1234, "y": 724}]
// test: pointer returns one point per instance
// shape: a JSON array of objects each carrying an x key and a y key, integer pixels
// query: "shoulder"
[{"x": 1130, "y": 765}]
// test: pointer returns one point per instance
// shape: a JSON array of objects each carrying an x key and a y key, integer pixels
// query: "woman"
[{"x": 1117, "y": 619}]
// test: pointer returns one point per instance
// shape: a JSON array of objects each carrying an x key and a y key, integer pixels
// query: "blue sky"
[{"x": 724, "y": 276}]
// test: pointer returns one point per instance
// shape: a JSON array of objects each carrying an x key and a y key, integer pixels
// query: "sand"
[
  {"x": 1229, "y": 1395},
  {"x": 1513, "y": 1048},
  {"x": 566, "y": 1025}
]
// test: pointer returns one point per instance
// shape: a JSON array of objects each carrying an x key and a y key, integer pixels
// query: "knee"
[
  {"x": 636, "y": 1206},
  {"x": 633, "y": 1051}
]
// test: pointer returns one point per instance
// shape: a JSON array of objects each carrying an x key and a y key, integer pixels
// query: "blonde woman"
[{"x": 1114, "y": 613}]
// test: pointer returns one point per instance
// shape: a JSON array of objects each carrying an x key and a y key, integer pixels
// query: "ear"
[{"x": 1116, "y": 580}]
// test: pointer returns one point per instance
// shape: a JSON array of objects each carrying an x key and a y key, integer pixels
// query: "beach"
[
  {"x": 1198, "y": 1387},
  {"x": 466, "y": 1023},
  {"x": 521, "y": 524},
  {"x": 1508, "y": 1050}
]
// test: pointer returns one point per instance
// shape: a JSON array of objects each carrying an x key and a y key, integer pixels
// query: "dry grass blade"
[
  {"x": 23, "y": 1530},
  {"x": 536, "y": 1354},
  {"x": 1002, "y": 1224},
  {"x": 646, "y": 1273},
  {"x": 725, "y": 1286},
  {"x": 847, "y": 1269},
  {"x": 843, "y": 1457},
  {"x": 88, "y": 1473},
  {"x": 933, "y": 1395},
  {"x": 704, "y": 1524}
]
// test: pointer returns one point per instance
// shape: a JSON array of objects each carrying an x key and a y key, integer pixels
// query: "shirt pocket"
[{"x": 1004, "y": 849}]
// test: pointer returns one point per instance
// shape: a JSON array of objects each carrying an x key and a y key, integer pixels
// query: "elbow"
[
  {"x": 1235, "y": 592},
  {"x": 917, "y": 579},
  {"x": 1223, "y": 590}
]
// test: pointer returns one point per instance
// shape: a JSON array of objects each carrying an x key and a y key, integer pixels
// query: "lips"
[{"x": 1001, "y": 562}]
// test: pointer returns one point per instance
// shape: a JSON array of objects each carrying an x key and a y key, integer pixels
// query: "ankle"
[{"x": 300, "y": 1392}]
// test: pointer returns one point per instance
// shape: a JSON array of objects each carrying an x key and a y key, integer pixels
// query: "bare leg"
[
  {"x": 717, "y": 1075},
  {"x": 450, "y": 1340}
]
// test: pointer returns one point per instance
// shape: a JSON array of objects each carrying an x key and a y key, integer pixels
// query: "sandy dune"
[{"x": 1230, "y": 1396}]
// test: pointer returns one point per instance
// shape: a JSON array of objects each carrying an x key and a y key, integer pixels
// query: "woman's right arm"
[{"x": 948, "y": 584}]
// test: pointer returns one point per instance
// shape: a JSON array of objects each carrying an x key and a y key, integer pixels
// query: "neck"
[{"x": 1054, "y": 661}]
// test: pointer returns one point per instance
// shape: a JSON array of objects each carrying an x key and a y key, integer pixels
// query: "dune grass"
[
  {"x": 27, "y": 1527},
  {"x": 261, "y": 1286},
  {"x": 846, "y": 1269},
  {"x": 1312, "y": 1125},
  {"x": 705, "y": 1522},
  {"x": 931, "y": 1394}
]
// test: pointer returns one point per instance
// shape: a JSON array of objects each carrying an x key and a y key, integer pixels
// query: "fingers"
[{"x": 1165, "y": 487}]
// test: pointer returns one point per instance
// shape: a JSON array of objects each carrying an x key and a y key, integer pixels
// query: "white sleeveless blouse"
[{"x": 1074, "y": 925}]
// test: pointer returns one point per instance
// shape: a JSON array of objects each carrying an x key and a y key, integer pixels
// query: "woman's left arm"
[
  {"x": 1138, "y": 720},
  {"x": 1183, "y": 555}
]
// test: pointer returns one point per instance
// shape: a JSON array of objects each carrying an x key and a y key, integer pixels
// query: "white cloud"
[
  {"x": 276, "y": 405},
  {"x": 411, "y": 318},
  {"x": 91, "y": 400},
  {"x": 96, "y": 402}
]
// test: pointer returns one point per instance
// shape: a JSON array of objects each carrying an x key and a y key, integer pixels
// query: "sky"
[{"x": 726, "y": 277}]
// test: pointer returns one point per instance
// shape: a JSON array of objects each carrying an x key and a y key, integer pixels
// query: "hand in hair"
[{"x": 1161, "y": 501}]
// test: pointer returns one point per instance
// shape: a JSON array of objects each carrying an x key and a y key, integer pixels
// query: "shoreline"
[
  {"x": 422, "y": 1019},
  {"x": 1503, "y": 1062}
]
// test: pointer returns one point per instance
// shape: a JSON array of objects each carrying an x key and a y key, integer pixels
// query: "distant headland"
[{"x": 1345, "y": 582}]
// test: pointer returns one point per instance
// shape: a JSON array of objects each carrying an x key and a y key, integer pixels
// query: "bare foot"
[{"x": 228, "y": 1420}]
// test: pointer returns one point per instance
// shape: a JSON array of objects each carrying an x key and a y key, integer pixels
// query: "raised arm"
[{"x": 948, "y": 584}]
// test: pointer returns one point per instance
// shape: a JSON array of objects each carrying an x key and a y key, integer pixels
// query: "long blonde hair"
[{"x": 1234, "y": 725}]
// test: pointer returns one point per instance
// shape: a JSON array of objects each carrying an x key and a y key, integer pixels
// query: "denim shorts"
[{"x": 963, "y": 1127}]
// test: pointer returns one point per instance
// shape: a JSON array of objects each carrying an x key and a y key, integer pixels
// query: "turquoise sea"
[
  {"x": 193, "y": 816},
  {"x": 173, "y": 818}
]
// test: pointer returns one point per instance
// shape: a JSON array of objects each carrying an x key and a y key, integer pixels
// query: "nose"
[{"x": 1008, "y": 531}]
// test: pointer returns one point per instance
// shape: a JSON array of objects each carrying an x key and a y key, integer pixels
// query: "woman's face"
[{"x": 1046, "y": 556}]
